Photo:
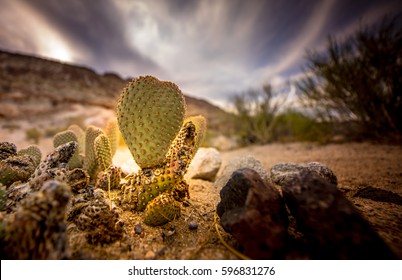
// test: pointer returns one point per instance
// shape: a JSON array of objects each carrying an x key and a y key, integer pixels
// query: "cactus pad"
[
  {"x": 7, "y": 150},
  {"x": 91, "y": 163},
  {"x": 161, "y": 210},
  {"x": 103, "y": 151},
  {"x": 63, "y": 138},
  {"x": 109, "y": 178},
  {"x": 150, "y": 113},
  {"x": 112, "y": 132},
  {"x": 16, "y": 168},
  {"x": 32, "y": 151}
]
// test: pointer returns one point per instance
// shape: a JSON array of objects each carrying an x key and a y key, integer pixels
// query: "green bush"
[
  {"x": 291, "y": 126},
  {"x": 255, "y": 115},
  {"x": 33, "y": 134}
]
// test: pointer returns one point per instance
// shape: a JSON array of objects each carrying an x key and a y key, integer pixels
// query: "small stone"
[
  {"x": 150, "y": 255},
  {"x": 255, "y": 214},
  {"x": 332, "y": 226},
  {"x": 138, "y": 229},
  {"x": 193, "y": 225},
  {"x": 239, "y": 163},
  {"x": 205, "y": 164},
  {"x": 283, "y": 172}
]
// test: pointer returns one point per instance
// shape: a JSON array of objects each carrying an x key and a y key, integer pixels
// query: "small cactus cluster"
[
  {"x": 96, "y": 148},
  {"x": 151, "y": 117},
  {"x": 17, "y": 166},
  {"x": 34, "y": 226}
]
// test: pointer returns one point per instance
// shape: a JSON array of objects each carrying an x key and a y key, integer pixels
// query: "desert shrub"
[
  {"x": 255, "y": 114},
  {"x": 291, "y": 126},
  {"x": 359, "y": 80},
  {"x": 33, "y": 134}
]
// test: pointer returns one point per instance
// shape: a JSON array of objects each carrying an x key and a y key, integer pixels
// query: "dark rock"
[
  {"x": 255, "y": 214},
  {"x": 377, "y": 194},
  {"x": 193, "y": 225},
  {"x": 331, "y": 224},
  {"x": 282, "y": 172}
]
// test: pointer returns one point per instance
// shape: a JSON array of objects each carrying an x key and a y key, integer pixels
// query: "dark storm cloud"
[
  {"x": 210, "y": 48},
  {"x": 95, "y": 26}
]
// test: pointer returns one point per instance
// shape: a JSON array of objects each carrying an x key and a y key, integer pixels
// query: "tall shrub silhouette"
[
  {"x": 255, "y": 115},
  {"x": 359, "y": 80}
]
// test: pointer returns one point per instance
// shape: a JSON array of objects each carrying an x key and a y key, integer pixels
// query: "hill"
[{"x": 39, "y": 97}]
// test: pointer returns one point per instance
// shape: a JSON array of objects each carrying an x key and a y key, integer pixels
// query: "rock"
[
  {"x": 255, "y": 214},
  {"x": 330, "y": 223},
  {"x": 282, "y": 172},
  {"x": 193, "y": 225},
  {"x": 239, "y": 163},
  {"x": 205, "y": 164},
  {"x": 138, "y": 229},
  {"x": 150, "y": 255},
  {"x": 224, "y": 143}
]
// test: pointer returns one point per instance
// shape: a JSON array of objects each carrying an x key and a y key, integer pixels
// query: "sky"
[{"x": 212, "y": 49}]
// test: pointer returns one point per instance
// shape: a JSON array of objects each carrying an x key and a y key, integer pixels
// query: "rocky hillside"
[{"x": 32, "y": 86}]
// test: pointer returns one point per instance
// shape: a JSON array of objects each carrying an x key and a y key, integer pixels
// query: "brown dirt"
[{"x": 356, "y": 165}]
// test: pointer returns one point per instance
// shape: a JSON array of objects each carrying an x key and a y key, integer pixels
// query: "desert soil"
[{"x": 356, "y": 165}]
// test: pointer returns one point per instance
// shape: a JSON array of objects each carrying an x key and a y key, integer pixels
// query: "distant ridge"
[{"x": 31, "y": 86}]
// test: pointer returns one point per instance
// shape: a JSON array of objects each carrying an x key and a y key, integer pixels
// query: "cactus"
[
  {"x": 77, "y": 179},
  {"x": 92, "y": 213},
  {"x": 37, "y": 229},
  {"x": 16, "y": 168},
  {"x": 80, "y": 134},
  {"x": 7, "y": 150},
  {"x": 63, "y": 138},
  {"x": 150, "y": 113},
  {"x": 109, "y": 179},
  {"x": 103, "y": 151},
  {"x": 32, "y": 151},
  {"x": 93, "y": 154},
  {"x": 54, "y": 166},
  {"x": 112, "y": 133},
  {"x": 163, "y": 209}
]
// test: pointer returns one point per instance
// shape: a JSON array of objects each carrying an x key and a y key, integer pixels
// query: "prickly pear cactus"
[
  {"x": 32, "y": 151},
  {"x": 16, "y": 168},
  {"x": 103, "y": 151},
  {"x": 7, "y": 150},
  {"x": 63, "y": 138},
  {"x": 95, "y": 147},
  {"x": 112, "y": 133},
  {"x": 37, "y": 229},
  {"x": 150, "y": 113}
]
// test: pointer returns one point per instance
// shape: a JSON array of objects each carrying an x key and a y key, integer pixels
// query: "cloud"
[
  {"x": 295, "y": 49},
  {"x": 23, "y": 29},
  {"x": 210, "y": 48}
]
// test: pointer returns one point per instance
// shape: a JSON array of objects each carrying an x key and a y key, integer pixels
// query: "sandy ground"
[{"x": 355, "y": 164}]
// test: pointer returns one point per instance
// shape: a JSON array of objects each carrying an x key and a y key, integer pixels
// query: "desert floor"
[{"x": 356, "y": 165}]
